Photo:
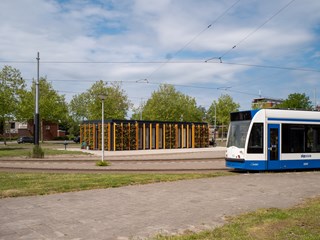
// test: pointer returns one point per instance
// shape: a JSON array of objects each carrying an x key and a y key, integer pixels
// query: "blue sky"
[{"x": 80, "y": 41}]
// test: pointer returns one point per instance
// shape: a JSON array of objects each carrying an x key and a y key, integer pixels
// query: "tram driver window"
[{"x": 256, "y": 139}]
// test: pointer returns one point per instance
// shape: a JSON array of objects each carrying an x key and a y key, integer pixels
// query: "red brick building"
[{"x": 48, "y": 130}]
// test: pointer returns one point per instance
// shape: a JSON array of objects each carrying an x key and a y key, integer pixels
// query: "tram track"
[
  {"x": 109, "y": 160},
  {"x": 58, "y": 170},
  {"x": 117, "y": 166}
]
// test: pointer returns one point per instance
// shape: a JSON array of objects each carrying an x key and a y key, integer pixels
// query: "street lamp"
[
  {"x": 215, "y": 120},
  {"x": 215, "y": 116},
  {"x": 102, "y": 97},
  {"x": 36, "y": 114}
]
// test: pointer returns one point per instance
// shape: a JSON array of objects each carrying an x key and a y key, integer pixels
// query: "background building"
[
  {"x": 13, "y": 129},
  {"x": 258, "y": 103}
]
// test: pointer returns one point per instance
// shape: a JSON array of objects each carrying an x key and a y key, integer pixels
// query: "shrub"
[
  {"x": 103, "y": 163},
  {"x": 37, "y": 152}
]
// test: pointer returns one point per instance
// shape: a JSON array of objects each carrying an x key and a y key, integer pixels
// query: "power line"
[
  {"x": 17, "y": 61},
  {"x": 85, "y": 62},
  {"x": 254, "y": 31},
  {"x": 174, "y": 62},
  {"x": 257, "y": 80},
  {"x": 192, "y": 62},
  {"x": 83, "y": 80},
  {"x": 274, "y": 67},
  {"x": 193, "y": 39},
  {"x": 78, "y": 92},
  {"x": 226, "y": 88}
]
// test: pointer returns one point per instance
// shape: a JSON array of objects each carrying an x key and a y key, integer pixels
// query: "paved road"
[
  {"x": 200, "y": 159},
  {"x": 136, "y": 212}
]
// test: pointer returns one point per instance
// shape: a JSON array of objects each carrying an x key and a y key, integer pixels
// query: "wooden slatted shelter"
[{"x": 141, "y": 135}]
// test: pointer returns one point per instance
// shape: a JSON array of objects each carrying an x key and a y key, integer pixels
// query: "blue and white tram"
[{"x": 273, "y": 139}]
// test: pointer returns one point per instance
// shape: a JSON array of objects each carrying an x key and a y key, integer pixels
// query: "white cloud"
[{"x": 150, "y": 30}]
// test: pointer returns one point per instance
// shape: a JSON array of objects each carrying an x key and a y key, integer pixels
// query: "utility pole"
[{"x": 36, "y": 115}]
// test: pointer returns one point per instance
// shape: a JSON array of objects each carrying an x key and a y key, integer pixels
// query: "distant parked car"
[
  {"x": 77, "y": 139},
  {"x": 25, "y": 140}
]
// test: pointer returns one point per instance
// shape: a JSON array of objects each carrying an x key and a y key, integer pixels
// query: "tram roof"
[{"x": 273, "y": 112}]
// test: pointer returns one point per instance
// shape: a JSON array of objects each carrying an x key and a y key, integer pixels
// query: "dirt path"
[{"x": 143, "y": 211}]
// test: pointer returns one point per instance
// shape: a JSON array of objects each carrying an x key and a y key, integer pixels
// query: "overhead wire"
[
  {"x": 184, "y": 62},
  {"x": 252, "y": 32},
  {"x": 193, "y": 39},
  {"x": 169, "y": 61},
  {"x": 221, "y": 88},
  {"x": 173, "y": 62},
  {"x": 257, "y": 80},
  {"x": 274, "y": 67}
]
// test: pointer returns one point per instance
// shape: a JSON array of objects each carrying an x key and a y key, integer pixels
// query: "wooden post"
[
  {"x": 109, "y": 137},
  {"x": 182, "y": 137},
  {"x": 177, "y": 136},
  {"x": 193, "y": 135},
  {"x": 164, "y": 136},
  {"x": 114, "y": 137},
  {"x": 157, "y": 136},
  {"x": 150, "y": 136},
  {"x": 144, "y": 136},
  {"x": 121, "y": 137},
  {"x": 137, "y": 136},
  {"x": 99, "y": 136},
  {"x": 188, "y": 136}
]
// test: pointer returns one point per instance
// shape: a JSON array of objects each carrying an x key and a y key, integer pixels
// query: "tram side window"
[
  {"x": 256, "y": 139},
  {"x": 293, "y": 140},
  {"x": 313, "y": 139},
  {"x": 300, "y": 138}
]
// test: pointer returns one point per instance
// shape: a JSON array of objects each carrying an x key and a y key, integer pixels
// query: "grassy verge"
[
  {"x": 24, "y": 150},
  {"x": 301, "y": 222},
  {"x": 27, "y": 184}
]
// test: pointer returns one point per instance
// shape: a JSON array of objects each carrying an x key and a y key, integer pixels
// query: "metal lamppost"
[
  {"x": 36, "y": 115},
  {"x": 102, "y": 97},
  {"x": 215, "y": 121}
]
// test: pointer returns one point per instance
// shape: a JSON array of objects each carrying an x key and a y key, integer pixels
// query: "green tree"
[
  {"x": 52, "y": 106},
  {"x": 296, "y": 101},
  {"x": 224, "y": 106},
  {"x": 168, "y": 104},
  {"x": 88, "y": 105},
  {"x": 11, "y": 87}
]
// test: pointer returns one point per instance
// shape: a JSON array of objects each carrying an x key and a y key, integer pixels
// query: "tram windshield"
[{"x": 237, "y": 135}]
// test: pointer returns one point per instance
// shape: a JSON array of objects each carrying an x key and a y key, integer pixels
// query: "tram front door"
[{"x": 273, "y": 146}]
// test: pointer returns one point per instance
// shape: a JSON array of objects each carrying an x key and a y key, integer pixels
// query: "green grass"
[
  {"x": 102, "y": 163},
  {"x": 24, "y": 150},
  {"x": 301, "y": 223},
  {"x": 27, "y": 184}
]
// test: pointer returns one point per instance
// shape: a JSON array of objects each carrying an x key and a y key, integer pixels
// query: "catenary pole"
[{"x": 37, "y": 117}]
